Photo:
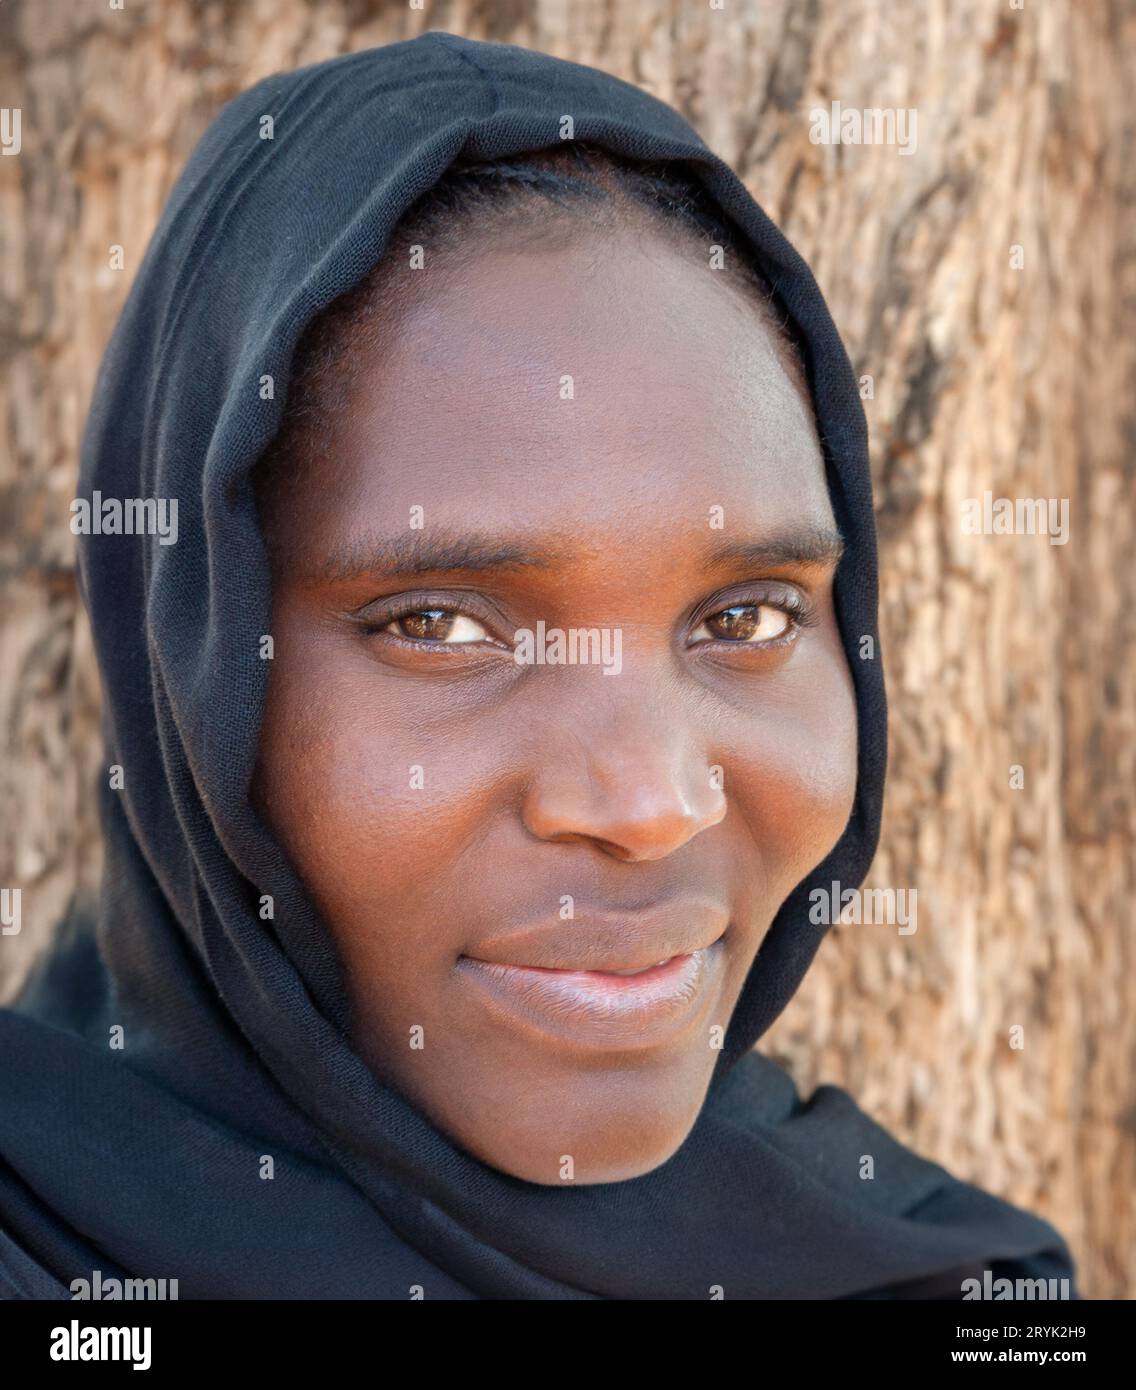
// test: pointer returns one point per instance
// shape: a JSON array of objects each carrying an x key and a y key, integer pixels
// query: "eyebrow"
[
  {"x": 442, "y": 551},
  {"x": 807, "y": 547}
]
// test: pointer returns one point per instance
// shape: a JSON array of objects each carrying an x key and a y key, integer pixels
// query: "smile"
[{"x": 605, "y": 1009}]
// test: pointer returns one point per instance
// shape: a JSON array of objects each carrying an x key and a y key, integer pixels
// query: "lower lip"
[{"x": 593, "y": 1009}]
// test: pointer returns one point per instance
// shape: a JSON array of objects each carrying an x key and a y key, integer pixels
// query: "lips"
[
  {"x": 628, "y": 973},
  {"x": 602, "y": 1010},
  {"x": 608, "y": 941},
  {"x": 607, "y": 979},
  {"x": 640, "y": 969}
]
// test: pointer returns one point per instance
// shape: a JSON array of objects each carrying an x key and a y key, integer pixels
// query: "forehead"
[{"x": 616, "y": 379}]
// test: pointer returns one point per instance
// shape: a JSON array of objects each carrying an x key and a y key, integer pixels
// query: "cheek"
[
  {"x": 374, "y": 803},
  {"x": 794, "y": 772}
]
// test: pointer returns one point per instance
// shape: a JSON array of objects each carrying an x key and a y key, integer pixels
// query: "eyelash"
[{"x": 791, "y": 602}]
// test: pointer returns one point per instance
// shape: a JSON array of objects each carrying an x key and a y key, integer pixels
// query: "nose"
[{"x": 632, "y": 779}]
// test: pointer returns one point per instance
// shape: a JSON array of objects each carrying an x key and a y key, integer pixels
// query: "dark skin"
[{"x": 545, "y": 781}]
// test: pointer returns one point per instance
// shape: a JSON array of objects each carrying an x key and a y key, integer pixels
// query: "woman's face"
[{"x": 596, "y": 437}]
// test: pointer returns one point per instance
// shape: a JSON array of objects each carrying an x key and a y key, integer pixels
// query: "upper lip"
[{"x": 608, "y": 939}]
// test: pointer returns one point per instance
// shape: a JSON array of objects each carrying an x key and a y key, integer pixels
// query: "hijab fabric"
[{"x": 150, "y": 1159}]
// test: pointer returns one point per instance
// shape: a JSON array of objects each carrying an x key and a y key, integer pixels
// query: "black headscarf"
[{"x": 146, "y": 1159}]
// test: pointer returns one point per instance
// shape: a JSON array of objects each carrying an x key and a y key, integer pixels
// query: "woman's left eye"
[
  {"x": 746, "y": 622},
  {"x": 436, "y": 625}
]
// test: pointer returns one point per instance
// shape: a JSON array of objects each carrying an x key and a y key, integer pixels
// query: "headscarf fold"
[{"x": 145, "y": 1160}]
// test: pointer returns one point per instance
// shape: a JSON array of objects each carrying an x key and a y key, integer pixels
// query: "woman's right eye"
[{"x": 436, "y": 625}]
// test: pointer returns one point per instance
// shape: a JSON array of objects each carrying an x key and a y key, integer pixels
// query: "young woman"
[{"x": 473, "y": 751}]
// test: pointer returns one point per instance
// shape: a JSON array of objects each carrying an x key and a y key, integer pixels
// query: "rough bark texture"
[{"x": 1000, "y": 650}]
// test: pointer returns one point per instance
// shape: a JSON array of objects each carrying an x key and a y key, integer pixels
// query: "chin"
[{"x": 616, "y": 1148}]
